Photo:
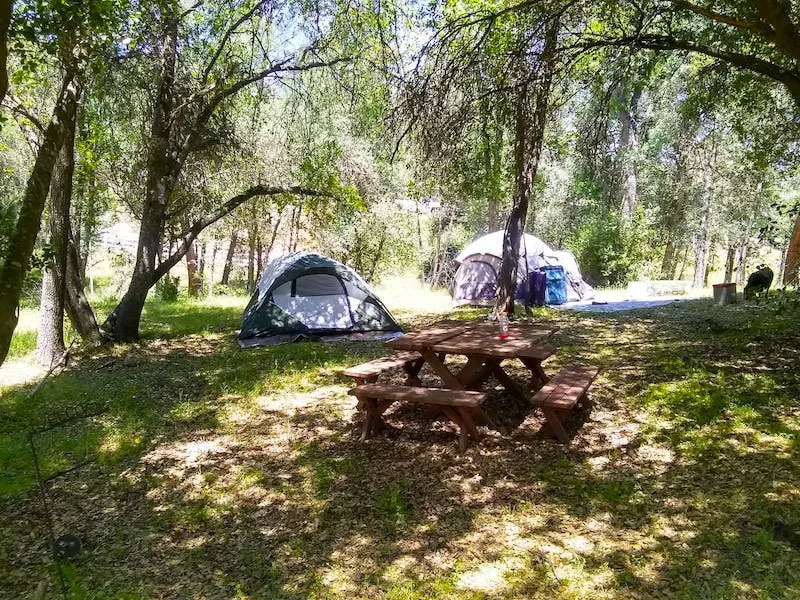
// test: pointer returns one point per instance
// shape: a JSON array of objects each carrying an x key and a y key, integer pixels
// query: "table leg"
[
  {"x": 508, "y": 383},
  {"x": 362, "y": 381},
  {"x": 462, "y": 430},
  {"x": 537, "y": 372},
  {"x": 370, "y": 404},
  {"x": 466, "y": 418},
  {"x": 437, "y": 365},
  {"x": 473, "y": 373},
  {"x": 412, "y": 370},
  {"x": 553, "y": 420},
  {"x": 373, "y": 422}
]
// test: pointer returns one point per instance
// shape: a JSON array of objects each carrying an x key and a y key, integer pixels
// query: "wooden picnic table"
[{"x": 485, "y": 351}]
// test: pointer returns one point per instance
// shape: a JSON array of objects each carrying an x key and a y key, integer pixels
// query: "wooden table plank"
[
  {"x": 483, "y": 339},
  {"x": 419, "y": 340}
]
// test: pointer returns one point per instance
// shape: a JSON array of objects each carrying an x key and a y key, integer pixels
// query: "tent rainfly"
[
  {"x": 475, "y": 281},
  {"x": 305, "y": 293}
]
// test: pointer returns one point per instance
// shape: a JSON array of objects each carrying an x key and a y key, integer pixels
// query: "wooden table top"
[
  {"x": 473, "y": 337},
  {"x": 483, "y": 339},
  {"x": 425, "y": 338}
]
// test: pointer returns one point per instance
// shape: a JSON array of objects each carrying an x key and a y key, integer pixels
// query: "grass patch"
[{"x": 228, "y": 473}]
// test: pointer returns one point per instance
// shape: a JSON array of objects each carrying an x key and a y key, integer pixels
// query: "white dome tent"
[{"x": 475, "y": 281}]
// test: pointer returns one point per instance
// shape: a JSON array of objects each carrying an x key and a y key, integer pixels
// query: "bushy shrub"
[
  {"x": 167, "y": 289},
  {"x": 229, "y": 290},
  {"x": 780, "y": 301},
  {"x": 609, "y": 250}
]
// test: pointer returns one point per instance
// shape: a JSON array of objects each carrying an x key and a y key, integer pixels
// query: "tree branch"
[
  {"x": 789, "y": 77},
  {"x": 783, "y": 31},
  {"x": 187, "y": 238},
  {"x": 721, "y": 18},
  {"x": 16, "y": 106},
  {"x": 226, "y": 36},
  {"x": 283, "y": 66}
]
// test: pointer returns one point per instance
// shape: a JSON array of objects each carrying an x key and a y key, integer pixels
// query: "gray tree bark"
[
  {"x": 194, "y": 281},
  {"x": 5, "y": 21},
  {"x": 730, "y": 259},
  {"x": 162, "y": 171},
  {"x": 792, "y": 268},
  {"x": 700, "y": 239},
  {"x": 76, "y": 304},
  {"x": 50, "y": 336},
  {"x": 529, "y": 133},
  {"x": 226, "y": 269},
  {"x": 628, "y": 145},
  {"x": 50, "y": 340},
  {"x": 23, "y": 239}
]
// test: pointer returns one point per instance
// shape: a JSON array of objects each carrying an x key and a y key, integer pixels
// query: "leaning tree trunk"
[
  {"x": 528, "y": 136},
  {"x": 792, "y": 266},
  {"x": 162, "y": 172},
  {"x": 77, "y": 306},
  {"x": 730, "y": 259},
  {"x": 274, "y": 234},
  {"x": 5, "y": 21},
  {"x": 23, "y": 239},
  {"x": 50, "y": 340},
  {"x": 226, "y": 269}
]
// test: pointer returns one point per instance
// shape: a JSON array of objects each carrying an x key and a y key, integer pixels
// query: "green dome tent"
[{"x": 304, "y": 293}]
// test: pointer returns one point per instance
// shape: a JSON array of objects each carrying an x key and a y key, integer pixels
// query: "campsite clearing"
[{"x": 228, "y": 473}]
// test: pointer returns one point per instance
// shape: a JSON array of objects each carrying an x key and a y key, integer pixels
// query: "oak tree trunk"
[
  {"x": 212, "y": 263},
  {"x": 259, "y": 257},
  {"x": 743, "y": 252},
  {"x": 162, "y": 172},
  {"x": 5, "y": 21},
  {"x": 700, "y": 239},
  {"x": 628, "y": 145},
  {"x": 730, "y": 259},
  {"x": 50, "y": 340},
  {"x": 790, "y": 270},
  {"x": 194, "y": 281},
  {"x": 528, "y": 136},
  {"x": 23, "y": 238},
  {"x": 669, "y": 263},
  {"x": 252, "y": 236},
  {"x": 741, "y": 264},
  {"x": 77, "y": 306},
  {"x": 675, "y": 222},
  {"x": 226, "y": 269},
  {"x": 274, "y": 234},
  {"x": 201, "y": 268}
]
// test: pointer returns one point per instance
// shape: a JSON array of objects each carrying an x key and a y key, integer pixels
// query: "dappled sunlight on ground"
[
  {"x": 20, "y": 371},
  {"x": 247, "y": 479}
]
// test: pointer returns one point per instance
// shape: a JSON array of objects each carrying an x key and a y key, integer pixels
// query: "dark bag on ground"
[{"x": 538, "y": 283}]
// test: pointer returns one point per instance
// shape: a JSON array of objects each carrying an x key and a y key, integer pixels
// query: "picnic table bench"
[
  {"x": 460, "y": 406},
  {"x": 368, "y": 372},
  {"x": 562, "y": 393}
]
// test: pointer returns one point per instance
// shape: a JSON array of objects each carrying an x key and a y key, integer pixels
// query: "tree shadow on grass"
[{"x": 249, "y": 479}]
